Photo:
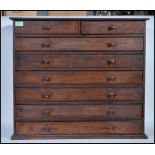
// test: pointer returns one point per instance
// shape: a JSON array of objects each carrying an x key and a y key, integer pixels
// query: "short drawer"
[
  {"x": 75, "y": 128},
  {"x": 112, "y": 27},
  {"x": 78, "y": 77},
  {"x": 77, "y": 112},
  {"x": 79, "y": 94},
  {"x": 78, "y": 61},
  {"x": 78, "y": 44},
  {"x": 47, "y": 27}
]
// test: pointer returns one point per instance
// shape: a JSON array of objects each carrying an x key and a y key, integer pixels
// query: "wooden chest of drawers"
[{"x": 79, "y": 78}]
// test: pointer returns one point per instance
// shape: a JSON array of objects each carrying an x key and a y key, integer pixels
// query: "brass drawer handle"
[
  {"x": 46, "y": 96},
  {"x": 45, "y": 62},
  {"x": 45, "y": 45},
  {"x": 111, "y": 27},
  {"x": 111, "y": 44},
  {"x": 110, "y": 62},
  {"x": 45, "y": 129},
  {"x": 112, "y": 95},
  {"x": 111, "y": 78},
  {"x": 46, "y": 79},
  {"x": 110, "y": 112},
  {"x": 110, "y": 127},
  {"x": 46, "y": 27},
  {"x": 46, "y": 113}
]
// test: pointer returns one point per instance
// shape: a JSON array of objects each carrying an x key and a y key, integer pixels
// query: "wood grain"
[
  {"x": 48, "y": 27},
  {"x": 112, "y": 27},
  {"x": 79, "y": 94},
  {"x": 71, "y": 128},
  {"x": 78, "y": 77},
  {"x": 77, "y": 112},
  {"x": 78, "y": 61},
  {"x": 78, "y": 44}
]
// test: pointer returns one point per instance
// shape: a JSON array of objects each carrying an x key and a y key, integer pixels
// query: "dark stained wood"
[
  {"x": 78, "y": 94},
  {"x": 48, "y": 27},
  {"x": 78, "y": 44},
  {"x": 80, "y": 35},
  {"x": 90, "y": 103},
  {"x": 97, "y": 136},
  {"x": 75, "y": 19},
  {"x": 112, "y": 27},
  {"x": 71, "y": 128},
  {"x": 78, "y": 61},
  {"x": 79, "y": 77},
  {"x": 77, "y": 112}
]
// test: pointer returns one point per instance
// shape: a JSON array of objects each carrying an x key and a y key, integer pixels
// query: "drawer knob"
[
  {"x": 110, "y": 62},
  {"x": 111, "y": 27},
  {"x": 111, "y": 95},
  {"x": 45, "y": 129},
  {"x": 46, "y": 79},
  {"x": 45, "y": 62},
  {"x": 46, "y": 96},
  {"x": 46, "y": 27},
  {"x": 46, "y": 113},
  {"x": 111, "y": 44},
  {"x": 110, "y": 78},
  {"x": 45, "y": 45},
  {"x": 110, "y": 112},
  {"x": 110, "y": 127}
]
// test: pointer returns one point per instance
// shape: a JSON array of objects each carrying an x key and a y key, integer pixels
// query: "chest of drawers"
[{"x": 79, "y": 78}]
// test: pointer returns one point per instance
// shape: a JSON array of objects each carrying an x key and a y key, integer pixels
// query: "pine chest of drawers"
[{"x": 79, "y": 78}]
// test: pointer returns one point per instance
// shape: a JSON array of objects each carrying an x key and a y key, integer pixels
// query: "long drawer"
[
  {"x": 47, "y": 27},
  {"x": 112, "y": 27},
  {"x": 73, "y": 128},
  {"x": 78, "y": 61},
  {"x": 79, "y": 77},
  {"x": 79, "y": 94},
  {"x": 77, "y": 112},
  {"x": 78, "y": 44}
]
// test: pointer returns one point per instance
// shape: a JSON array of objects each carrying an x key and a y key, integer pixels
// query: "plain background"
[{"x": 7, "y": 87}]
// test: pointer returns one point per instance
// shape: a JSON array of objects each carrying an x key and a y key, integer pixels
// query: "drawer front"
[
  {"x": 78, "y": 44},
  {"x": 79, "y": 77},
  {"x": 79, "y": 94},
  {"x": 77, "y": 112},
  {"x": 78, "y": 61},
  {"x": 73, "y": 128},
  {"x": 112, "y": 27},
  {"x": 48, "y": 27}
]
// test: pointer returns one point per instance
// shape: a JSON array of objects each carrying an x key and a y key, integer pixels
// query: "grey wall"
[
  {"x": 42, "y": 13},
  {"x": 7, "y": 88}
]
